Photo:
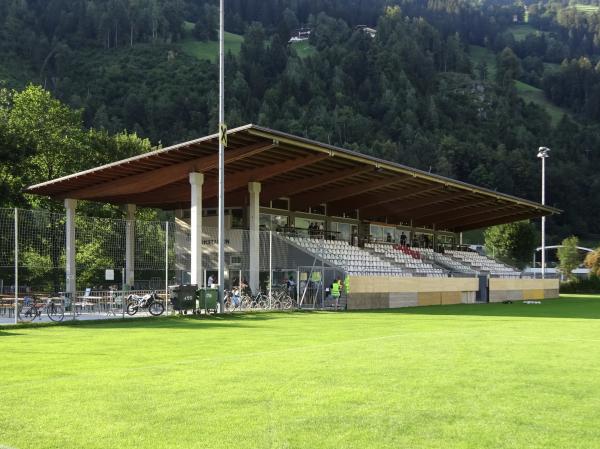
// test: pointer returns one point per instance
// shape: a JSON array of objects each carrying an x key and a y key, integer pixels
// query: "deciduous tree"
[
  {"x": 513, "y": 242},
  {"x": 569, "y": 257}
]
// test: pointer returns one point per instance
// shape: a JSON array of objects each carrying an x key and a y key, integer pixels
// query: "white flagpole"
[
  {"x": 16, "y": 265},
  {"x": 221, "y": 157}
]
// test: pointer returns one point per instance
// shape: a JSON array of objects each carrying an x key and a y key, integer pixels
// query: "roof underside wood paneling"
[{"x": 308, "y": 172}]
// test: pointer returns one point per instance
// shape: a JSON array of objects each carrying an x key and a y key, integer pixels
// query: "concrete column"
[
  {"x": 70, "y": 268},
  {"x": 254, "y": 248},
  {"x": 196, "y": 182},
  {"x": 130, "y": 244}
]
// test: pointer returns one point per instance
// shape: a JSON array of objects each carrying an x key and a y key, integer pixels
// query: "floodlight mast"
[
  {"x": 221, "y": 275},
  {"x": 543, "y": 155}
]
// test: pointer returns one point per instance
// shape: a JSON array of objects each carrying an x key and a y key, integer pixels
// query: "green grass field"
[
  {"x": 209, "y": 50},
  {"x": 482, "y": 54},
  {"x": 303, "y": 49},
  {"x": 534, "y": 95},
  {"x": 466, "y": 376},
  {"x": 525, "y": 91},
  {"x": 521, "y": 31}
]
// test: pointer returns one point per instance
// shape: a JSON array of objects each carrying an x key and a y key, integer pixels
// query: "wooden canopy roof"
[{"x": 308, "y": 172}]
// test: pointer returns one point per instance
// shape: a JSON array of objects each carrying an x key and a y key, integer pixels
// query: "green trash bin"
[
  {"x": 207, "y": 299},
  {"x": 183, "y": 297}
]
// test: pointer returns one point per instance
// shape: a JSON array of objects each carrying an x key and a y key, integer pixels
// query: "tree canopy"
[
  {"x": 416, "y": 93},
  {"x": 513, "y": 243},
  {"x": 568, "y": 256}
]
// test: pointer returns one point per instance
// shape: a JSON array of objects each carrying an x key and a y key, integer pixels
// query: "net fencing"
[
  {"x": 161, "y": 252},
  {"x": 33, "y": 258}
]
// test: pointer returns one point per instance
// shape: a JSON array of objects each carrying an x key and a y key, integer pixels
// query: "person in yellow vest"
[{"x": 336, "y": 290}]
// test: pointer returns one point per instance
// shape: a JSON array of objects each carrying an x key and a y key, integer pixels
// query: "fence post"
[
  {"x": 123, "y": 303},
  {"x": 323, "y": 270},
  {"x": 16, "y": 265},
  {"x": 270, "y": 268},
  {"x": 166, "y": 266}
]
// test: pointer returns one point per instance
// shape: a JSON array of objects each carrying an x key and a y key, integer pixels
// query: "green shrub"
[{"x": 590, "y": 285}]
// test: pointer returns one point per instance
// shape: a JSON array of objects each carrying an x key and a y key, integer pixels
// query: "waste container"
[
  {"x": 183, "y": 297},
  {"x": 207, "y": 299}
]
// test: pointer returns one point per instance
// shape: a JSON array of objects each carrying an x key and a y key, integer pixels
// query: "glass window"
[
  {"x": 281, "y": 203},
  {"x": 345, "y": 231},
  {"x": 319, "y": 210},
  {"x": 280, "y": 222},
  {"x": 342, "y": 231},
  {"x": 423, "y": 240},
  {"x": 387, "y": 233},
  {"x": 265, "y": 222},
  {"x": 398, "y": 236},
  {"x": 376, "y": 232},
  {"x": 270, "y": 222},
  {"x": 237, "y": 218},
  {"x": 303, "y": 224}
]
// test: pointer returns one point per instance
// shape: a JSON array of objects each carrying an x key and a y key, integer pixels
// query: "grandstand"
[{"x": 364, "y": 207}]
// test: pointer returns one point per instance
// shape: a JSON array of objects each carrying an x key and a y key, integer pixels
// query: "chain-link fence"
[{"x": 33, "y": 259}]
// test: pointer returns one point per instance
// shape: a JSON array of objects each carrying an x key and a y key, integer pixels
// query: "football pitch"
[{"x": 467, "y": 376}]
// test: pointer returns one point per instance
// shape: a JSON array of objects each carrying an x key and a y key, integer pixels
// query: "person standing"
[
  {"x": 291, "y": 287},
  {"x": 336, "y": 289},
  {"x": 354, "y": 241}
]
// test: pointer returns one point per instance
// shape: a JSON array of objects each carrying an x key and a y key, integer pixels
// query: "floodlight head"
[{"x": 543, "y": 152}]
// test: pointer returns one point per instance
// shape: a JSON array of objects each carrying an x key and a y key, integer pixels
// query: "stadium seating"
[
  {"x": 447, "y": 262},
  {"x": 483, "y": 263},
  {"x": 354, "y": 260},
  {"x": 409, "y": 259},
  {"x": 384, "y": 259}
]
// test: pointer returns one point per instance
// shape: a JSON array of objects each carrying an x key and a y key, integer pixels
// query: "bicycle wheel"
[
  {"x": 246, "y": 302},
  {"x": 156, "y": 309},
  {"x": 27, "y": 313},
  {"x": 132, "y": 308},
  {"x": 55, "y": 312}
]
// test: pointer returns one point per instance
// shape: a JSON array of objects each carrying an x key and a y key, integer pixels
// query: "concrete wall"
[
  {"x": 383, "y": 292},
  {"x": 521, "y": 289}
]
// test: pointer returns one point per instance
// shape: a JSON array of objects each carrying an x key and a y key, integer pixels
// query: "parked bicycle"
[
  {"x": 150, "y": 301},
  {"x": 231, "y": 300},
  {"x": 31, "y": 309},
  {"x": 258, "y": 301},
  {"x": 236, "y": 301},
  {"x": 280, "y": 299}
]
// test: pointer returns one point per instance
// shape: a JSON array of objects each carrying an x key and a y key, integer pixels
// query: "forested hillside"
[{"x": 416, "y": 93}]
